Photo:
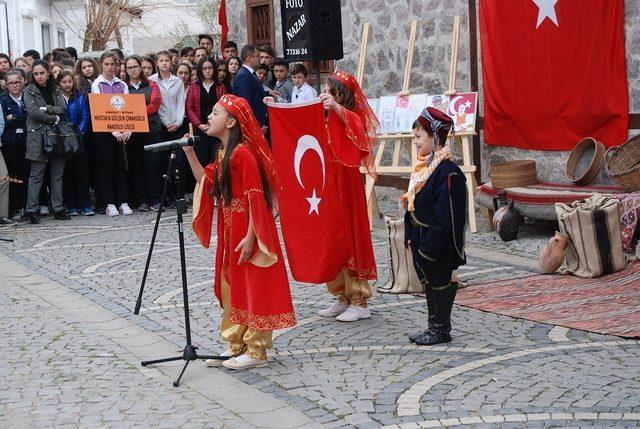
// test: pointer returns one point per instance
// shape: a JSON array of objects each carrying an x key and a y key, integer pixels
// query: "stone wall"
[{"x": 388, "y": 40}]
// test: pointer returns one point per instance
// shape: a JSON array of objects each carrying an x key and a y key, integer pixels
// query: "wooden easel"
[
  {"x": 463, "y": 139},
  {"x": 399, "y": 140},
  {"x": 370, "y": 191}
]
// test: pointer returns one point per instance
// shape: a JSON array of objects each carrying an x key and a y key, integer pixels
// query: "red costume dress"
[
  {"x": 260, "y": 299},
  {"x": 350, "y": 140}
]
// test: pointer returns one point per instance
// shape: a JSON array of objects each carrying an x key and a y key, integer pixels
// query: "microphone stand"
[{"x": 189, "y": 353}]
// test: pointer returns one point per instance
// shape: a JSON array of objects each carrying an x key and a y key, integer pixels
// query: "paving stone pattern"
[
  {"x": 364, "y": 374},
  {"x": 57, "y": 373}
]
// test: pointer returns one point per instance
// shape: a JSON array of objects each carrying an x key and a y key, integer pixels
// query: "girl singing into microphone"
[{"x": 250, "y": 277}]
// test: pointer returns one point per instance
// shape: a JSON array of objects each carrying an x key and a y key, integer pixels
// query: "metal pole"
[{"x": 318, "y": 77}]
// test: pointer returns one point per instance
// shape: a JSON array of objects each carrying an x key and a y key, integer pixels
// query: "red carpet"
[{"x": 606, "y": 305}]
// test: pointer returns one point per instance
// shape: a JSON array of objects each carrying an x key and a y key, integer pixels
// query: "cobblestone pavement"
[{"x": 59, "y": 370}]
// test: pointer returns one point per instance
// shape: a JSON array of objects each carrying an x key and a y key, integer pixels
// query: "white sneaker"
[
  {"x": 44, "y": 210},
  {"x": 125, "y": 209},
  {"x": 336, "y": 309},
  {"x": 111, "y": 210},
  {"x": 218, "y": 362},
  {"x": 353, "y": 313},
  {"x": 244, "y": 362}
]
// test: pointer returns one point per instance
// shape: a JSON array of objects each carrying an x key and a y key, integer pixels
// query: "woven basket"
[
  {"x": 510, "y": 174},
  {"x": 623, "y": 164},
  {"x": 595, "y": 163}
]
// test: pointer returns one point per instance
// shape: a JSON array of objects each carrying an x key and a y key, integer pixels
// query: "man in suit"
[{"x": 248, "y": 86}]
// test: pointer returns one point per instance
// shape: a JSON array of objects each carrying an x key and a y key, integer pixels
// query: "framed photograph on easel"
[
  {"x": 463, "y": 108},
  {"x": 408, "y": 108},
  {"x": 386, "y": 112}
]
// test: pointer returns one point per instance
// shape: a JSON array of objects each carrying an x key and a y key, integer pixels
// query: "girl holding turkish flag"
[
  {"x": 351, "y": 125},
  {"x": 250, "y": 277}
]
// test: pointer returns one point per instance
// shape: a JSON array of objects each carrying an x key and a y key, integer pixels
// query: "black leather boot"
[
  {"x": 441, "y": 326},
  {"x": 431, "y": 311}
]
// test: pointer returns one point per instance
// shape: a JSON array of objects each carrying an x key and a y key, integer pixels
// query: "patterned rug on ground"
[{"x": 605, "y": 305}]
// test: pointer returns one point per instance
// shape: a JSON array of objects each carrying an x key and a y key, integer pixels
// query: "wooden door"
[{"x": 260, "y": 24}]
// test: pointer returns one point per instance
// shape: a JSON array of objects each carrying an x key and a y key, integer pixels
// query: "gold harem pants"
[
  {"x": 350, "y": 290},
  {"x": 241, "y": 339}
]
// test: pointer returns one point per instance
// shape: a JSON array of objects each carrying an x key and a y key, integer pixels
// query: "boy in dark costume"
[{"x": 435, "y": 222}]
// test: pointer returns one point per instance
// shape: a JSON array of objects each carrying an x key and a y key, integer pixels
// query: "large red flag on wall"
[
  {"x": 554, "y": 72},
  {"x": 312, "y": 223}
]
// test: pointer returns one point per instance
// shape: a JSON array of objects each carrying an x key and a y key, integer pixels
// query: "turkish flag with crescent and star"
[
  {"x": 310, "y": 211},
  {"x": 554, "y": 72}
]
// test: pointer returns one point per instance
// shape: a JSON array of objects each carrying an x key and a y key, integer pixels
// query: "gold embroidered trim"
[
  {"x": 237, "y": 205},
  {"x": 363, "y": 273},
  {"x": 262, "y": 323},
  {"x": 226, "y": 261},
  {"x": 246, "y": 192}
]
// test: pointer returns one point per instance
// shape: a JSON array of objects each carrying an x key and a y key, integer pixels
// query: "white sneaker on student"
[
  {"x": 244, "y": 362},
  {"x": 125, "y": 209},
  {"x": 111, "y": 210},
  {"x": 336, "y": 309},
  {"x": 218, "y": 362},
  {"x": 353, "y": 313}
]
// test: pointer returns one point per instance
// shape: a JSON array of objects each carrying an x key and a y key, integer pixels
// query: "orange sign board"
[{"x": 118, "y": 112}]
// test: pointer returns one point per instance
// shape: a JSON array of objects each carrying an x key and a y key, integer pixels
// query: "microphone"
[{"x": 172, "y": 144}]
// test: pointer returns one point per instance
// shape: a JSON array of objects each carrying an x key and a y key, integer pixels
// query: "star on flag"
[
  {"x": 314, "y": 201},
  {"x": 547, "y": 9}
]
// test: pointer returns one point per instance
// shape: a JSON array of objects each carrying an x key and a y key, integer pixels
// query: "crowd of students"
[{"x": 111, "y": 174}]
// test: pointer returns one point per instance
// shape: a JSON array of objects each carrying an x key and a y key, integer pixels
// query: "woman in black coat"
[{"x": 45, "y": 106}]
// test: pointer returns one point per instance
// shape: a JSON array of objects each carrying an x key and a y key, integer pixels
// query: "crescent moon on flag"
[
  {"x": 306, "y": 143},
  {"x": 452, "y": 105}
]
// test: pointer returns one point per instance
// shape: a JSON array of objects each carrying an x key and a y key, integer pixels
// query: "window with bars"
[{"x": 260, "y": 24}]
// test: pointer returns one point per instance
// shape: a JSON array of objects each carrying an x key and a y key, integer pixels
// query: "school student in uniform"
[
  {"x": 173, "y": 94},
  {"x": 87, "y": 70},
  {"x": 111, "y": 147},
  {"x": 76, "y": 172},
  {"x": 201, "y": 98},
  {"x": 183, "y": 71},
  {"x": 148, "y": 66},
  {"x": 234, "y": 64},
  {"x": 172, "y": 108},
  {"x": 14, "y": 140},
  {"x": 145, "y": 167},
  {"x": 223, "y": 83},
  {"x": 301, "y": 91}
]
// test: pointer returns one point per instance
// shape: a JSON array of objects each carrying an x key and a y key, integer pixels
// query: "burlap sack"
[
  {"x": 403, "y": 277},
  {"x": 596, "y": 241}
]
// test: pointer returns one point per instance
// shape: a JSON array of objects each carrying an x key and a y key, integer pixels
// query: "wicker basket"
[
  {"x": 623, "y": 164},
  {"x": 510, "y": 174}
]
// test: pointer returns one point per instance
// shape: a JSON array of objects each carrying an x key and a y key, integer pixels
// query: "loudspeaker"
[{"x": 311, "y": 30}]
